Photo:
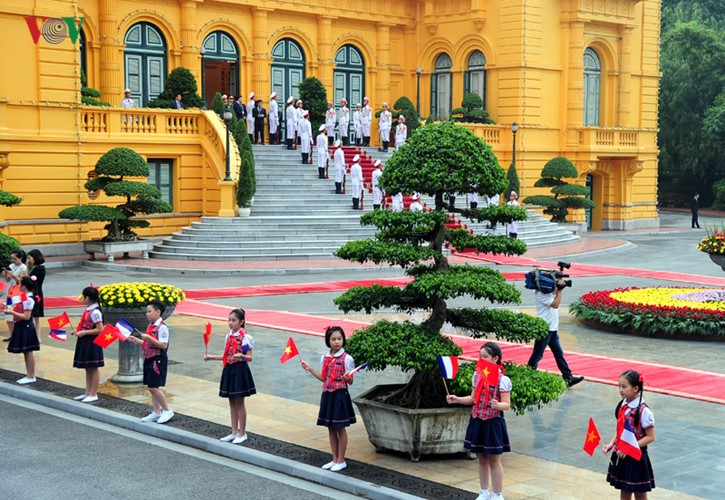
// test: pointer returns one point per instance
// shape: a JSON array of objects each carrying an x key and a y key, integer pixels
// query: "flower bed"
[
  {"x": 136, "y": 294},
  {"x": 660, "y": 311}
]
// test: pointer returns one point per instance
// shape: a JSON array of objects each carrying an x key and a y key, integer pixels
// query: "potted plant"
[
  {"x": 714, "y": 244},
  {"x": 140, "y": 198},
  {"x": 128, "y": 300},
  {"x": 441, "y": 158},
  {"x": 246, "y": 184}
]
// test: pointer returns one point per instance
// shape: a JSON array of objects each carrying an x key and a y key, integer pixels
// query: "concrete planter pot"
[
  {"x": 113, "y": 247},
  {"x": 416, "y": 432},
  {"x": 130, "y": 358},
  {"x": 718, "y": 259},
  {"x": 244, "y": 211}
]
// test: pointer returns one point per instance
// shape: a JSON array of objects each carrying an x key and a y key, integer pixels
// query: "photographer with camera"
[{"x": 547, "y": 308}]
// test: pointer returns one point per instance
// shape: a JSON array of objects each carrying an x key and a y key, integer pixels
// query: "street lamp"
[
  {"x": 418, "y": 71},
  {"x": 202, "y": 51},
  {"x": 228, "y": 120},
  {"x": 514, "y": 129}
]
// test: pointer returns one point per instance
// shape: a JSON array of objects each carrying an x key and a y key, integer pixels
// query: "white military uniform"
[
  {"x": 305, "y": 133},
  {"x": 292, "y": 116},
  {"x": 250, "y": 119},
  {"x": 416, "y": 206},
  {"x": 377, "y": 192},
  {"x": 273, "y": 118},
  {"x": 339, "y": 159},
  {"x": 330, "y": 119},
  {"x": 356, "y": 179},
  {"x": 357, "y": 124},
  {"x": 343, "y": 122},
  {"x": 127, "y": 103},
  {"x": 513, "y": 226},
  {"x": 322, "y": 154},
  {"x": 401, "y": 134},
  {"x": 397, "y": 205},
  {"x": 493, "y": 200},
  {"x": 386, "y": 121},
  {"x": 366, "y": 119}
]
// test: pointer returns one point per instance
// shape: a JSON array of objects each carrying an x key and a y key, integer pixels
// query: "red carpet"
[{"x": 689, "y": 383}]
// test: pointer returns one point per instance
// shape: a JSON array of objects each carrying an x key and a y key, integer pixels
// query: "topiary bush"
[
  {"x": 141, "y": 198},
  {"x": 9, "y": 199},
  {"x": 246, "y": 183},
  {"x": 7, "y": 245},
  {"x": 404, "y": 106},
  {"x": 572, "y": 195},
  {"x": 180, "y": 81},
  {"x": 90, "y": 96},
  {"x": 314, "y": 99},
  {"x": 513, "y": 179},
  {"x": 471, "y": 110},
  {"x": 217, "y": 104},
  {"x": 439, "y": 159}
]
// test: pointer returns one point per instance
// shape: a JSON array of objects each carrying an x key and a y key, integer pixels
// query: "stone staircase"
[{"x": 297, "y": 216}]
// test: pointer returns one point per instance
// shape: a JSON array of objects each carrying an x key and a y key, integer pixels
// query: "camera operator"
[{"x": 547, "y": 308}]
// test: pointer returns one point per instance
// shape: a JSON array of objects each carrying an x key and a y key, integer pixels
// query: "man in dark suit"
[
  {"x": 240, "y": 109},
  {"x": 259, "y": 114},
  {"x": 694, "y": 208},
  {"x": 176, "y": 103}
]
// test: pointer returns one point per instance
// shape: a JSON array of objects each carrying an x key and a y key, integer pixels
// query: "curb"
[{"x": 264, "y": 460}]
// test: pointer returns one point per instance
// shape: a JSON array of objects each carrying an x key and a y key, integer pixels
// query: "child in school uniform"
[
  {"x": 237, "y": 382},
  {"x": 625, "y": 473},
  {"x": 336, "y": 412},
  {"x": 24, "y": 339},
  {"x": 487, "y": 435},
  {"x": 154, "y": 345},
  {"x": 89, "y": 355}
]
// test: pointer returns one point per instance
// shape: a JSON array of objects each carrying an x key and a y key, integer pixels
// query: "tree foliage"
[
  {"x": 247, "y": 181},
  {"x": 314, "y": 99},
  {"x": 404, "y": 106},
  {"x": 141, "y": 198},
  {"x": 7, "y": 245},
  {"x": 180, "y": 81},
  {"x": 440, "y": 158},
  {"x": 566, "y": 195},
  {"x": 471, "y": 110},
  {"x": 513, "y": 178}
]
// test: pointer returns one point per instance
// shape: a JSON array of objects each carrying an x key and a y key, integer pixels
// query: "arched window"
[
  {"x": 220, "y": 71},
  {"x": 288, "y": 70},
  {"x": 349, "y": 77},
  {"x": 475, "y": 77},
  {"x": 145, "y": 61},
  {"x": 440, "y": 88},
  {"x": 592, "y": 82}
]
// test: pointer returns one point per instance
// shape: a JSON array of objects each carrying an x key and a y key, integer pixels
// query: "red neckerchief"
[
  {"x": 326, "y": 365},
  {"x": 83, "y": 318},
  {"x": 228, "y": 347}
]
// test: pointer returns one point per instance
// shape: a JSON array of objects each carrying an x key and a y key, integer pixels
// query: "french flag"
[
  {"x": 627, "y": 443},
  {"x": 58, "y": 335},
  {"x": 17, "y": 299},
  {"x": 449, "y": 366},
  {"x": 124, "y": 327},
  {"x": 361, "y": 367}
]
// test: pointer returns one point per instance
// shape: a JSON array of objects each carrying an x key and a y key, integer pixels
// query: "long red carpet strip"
[{"x": 689, "y": 383}]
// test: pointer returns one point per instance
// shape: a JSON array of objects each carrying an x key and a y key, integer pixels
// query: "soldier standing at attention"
[
  {"x": 291, "y": 115},
  {"x": 356, "y": 179},
  {"x": 273, "y": 119},
  {"x": 250, "y": 117},
  {"x": 377, "y": 192},
  {"x": 357, "y": 124},
  {"x": 330, "y": 119},
  {"x": 322, "y": 154},
  {"x": 384, "y": 125},
  {"x": 339, "y": 158},
  {"x": 366, "y": 119},
  {"x": 401, "y": 132},
  {"x": 344, "y": 121}
]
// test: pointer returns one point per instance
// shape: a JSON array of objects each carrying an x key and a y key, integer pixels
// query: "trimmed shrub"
[
  {"x": 513, "y": 179},
  {"x": 7, "y": 245},
  {"x": 314, "y": 100},
  {"x": 180, "y": 81},
  {"x": 566, "y": 195}
]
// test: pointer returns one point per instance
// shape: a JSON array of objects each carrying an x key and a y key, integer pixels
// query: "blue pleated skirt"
[
  {"x": 487, "y": 437},
  {"x": 628, "y": 474},
  {"x": 237, "y": 381},
  {"x": 336, "y": 409},
  {"x": 24, "y": 338}
]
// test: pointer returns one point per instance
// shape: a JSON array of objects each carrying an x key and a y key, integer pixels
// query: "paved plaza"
[{"x": 547, "y": 460}]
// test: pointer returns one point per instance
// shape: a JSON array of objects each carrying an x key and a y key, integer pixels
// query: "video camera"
[{"x": 545, "y": 280}]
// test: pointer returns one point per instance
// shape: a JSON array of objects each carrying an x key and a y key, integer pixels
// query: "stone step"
[{"x": 245, "y": 243}]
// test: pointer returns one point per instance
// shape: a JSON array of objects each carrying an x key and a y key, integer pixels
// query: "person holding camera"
[{"x": 547, "y": 308}]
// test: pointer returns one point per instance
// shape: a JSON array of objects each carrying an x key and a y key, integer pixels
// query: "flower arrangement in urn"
[
  {"x": 137, "y": 294},
  {"x": 714, "y": 242}
]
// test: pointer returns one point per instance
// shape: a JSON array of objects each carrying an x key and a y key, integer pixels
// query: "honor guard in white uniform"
[
  {"x": 473, "y": 198},
  {"x": 291, "y": 118},
  {"x": 357, "y": 124},
  {"x": 397, "y": 203},
  {"x": 127, "y": 101},
  {"x": 300, "y": 116},
  {"x": 377, "y": 192},
  {"x": 250, "y": 118},
  {"x": 343, "y": 121},
  {"x": 401, "y": 132},
  {"x": 322, "y": 154},
  {"x": 512, "y": 228},
  {"x": 416, "y": 205},
  {"x": 305, "y": 135},
  {"x": 356, "y": 180},
  {"x": 384, "y": 124},
  {"x": 273, "y": 119},
  {"x": 366, "y": 119},
  {"x": 330, "y": 120},
  {"x": 339, "y": 159}
]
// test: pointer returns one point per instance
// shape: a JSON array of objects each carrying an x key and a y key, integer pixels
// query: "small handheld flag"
[
  {"x": 207, "y": 334},
  {"x": 17, "y": 299},
  {"x": 290, "y": 351},
  {"x": 108, "y": 336},
  {"x": 60, "y": 335},
  {"x": 361, "y": 367},
  {"x": 592, "y": 439},
  {"x": 59, "y": 322},
  {"x": 627, "y": 443},
  {"x": 449, "y": 366},
  {"x": 124, "y": 327},
  {"x": 488, "y": 370}
]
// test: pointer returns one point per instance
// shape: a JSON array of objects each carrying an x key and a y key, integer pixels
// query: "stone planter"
[
  {"x": 244, "y": 211},
  {"x": 113, "y": 247},
  {"x": 416, "y": 432},
  {"x": 130, "y": 359},
  {"x": 718, "y": 259}
]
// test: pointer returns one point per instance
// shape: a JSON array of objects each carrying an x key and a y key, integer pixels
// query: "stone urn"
[
  {"x": 130, "y": 359},
  {"x": 718, "y": 259}
]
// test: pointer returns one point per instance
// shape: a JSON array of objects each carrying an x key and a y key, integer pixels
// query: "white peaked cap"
[
  {"x": 274, "y": 94},
  {"x": 338, "y": 143},
  {"x": 356, "y": 158},
  {"x": 224, "y": 96},
  {"x": 127, "y": 90},
  {"x": 322, "y": 128},
  {"x": 343, "y": 100},
  {"x": 386, "y": 104},
  {"x": 299, "y": 101},
  {"x": 401, "y": 118},
  {"x": 366, "y": 98},
  {"x": 415, "y": 196},
  {"x": 291, "y": 100},
  {"x": 377, "y": 163},
  {"x": 514, "y": 194},
  {"x": 251, "y": 95},
  {"x": 358, "y": 105}
]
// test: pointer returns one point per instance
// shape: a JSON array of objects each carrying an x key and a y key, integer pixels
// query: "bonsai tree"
[
  {"x": 140, "y": 198},
  {"x": 404, "y": 106},
  {"x": 471, "y": 110},
  {"x": 180, "y": 81},
  {"x": 246, "y": 184},
  {"x": 314, "y": 99},
  {"x": 513, "y": 179},
  {"x": 440, "y": 158},
  {"x": 89, "y": 96},
  {"x": 566, "y": 195}
]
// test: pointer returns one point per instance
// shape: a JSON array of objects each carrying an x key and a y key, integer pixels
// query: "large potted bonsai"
[
  {"x": 111, "y": 172},
  {"x": 441, "y": 159}
]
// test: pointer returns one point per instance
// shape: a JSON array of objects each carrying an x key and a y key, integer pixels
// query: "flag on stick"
[
  {"x": 290, "y": 351},
  {"x": 58, "y": 335},
  {"x": 125, "y": 328},
  {"x": 489, "y": 373},
  {"x": 17, "y": 299},
  {"x": 207, "y": 334},
  {"x": 449, "y": 366},
  {"x": 627, "y": 443},
  {"x": 357, "y": 369},
  {"x": 59, "y": 322},
  {"x": 108, "y": 336},
  {"x": 592, "y": 439}
]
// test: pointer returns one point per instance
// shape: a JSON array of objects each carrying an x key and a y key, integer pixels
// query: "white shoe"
[
  {"x": 338, "y": 467},
  {"x": 151, "y": 417},
  {"x": 240, "y": 439},
  {"x": 229, "y": 438},
  {"x": 80, "y": 398},
  {"x": 26, "y": 380},
  {"x": 89, "y": 399},
  {"x": 328, "y": 465},
  {"x": 484, "y": 495},
  {"x": 165, "y": 416},
  {"x": 496, "y": 496}
]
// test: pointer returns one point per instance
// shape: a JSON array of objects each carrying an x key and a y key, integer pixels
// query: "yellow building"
[{"x": 580, "y": 77}]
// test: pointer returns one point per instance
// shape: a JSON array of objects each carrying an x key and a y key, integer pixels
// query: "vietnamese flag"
[
  {"x": 109, "y": 335},
  {"x": 489, "y": 371},
  {"x": 59, "y": 322},
  {"x": 290, "y": 351},
  {"x": 207, "y": 334},
  {"x": 592, "y": 439}
]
